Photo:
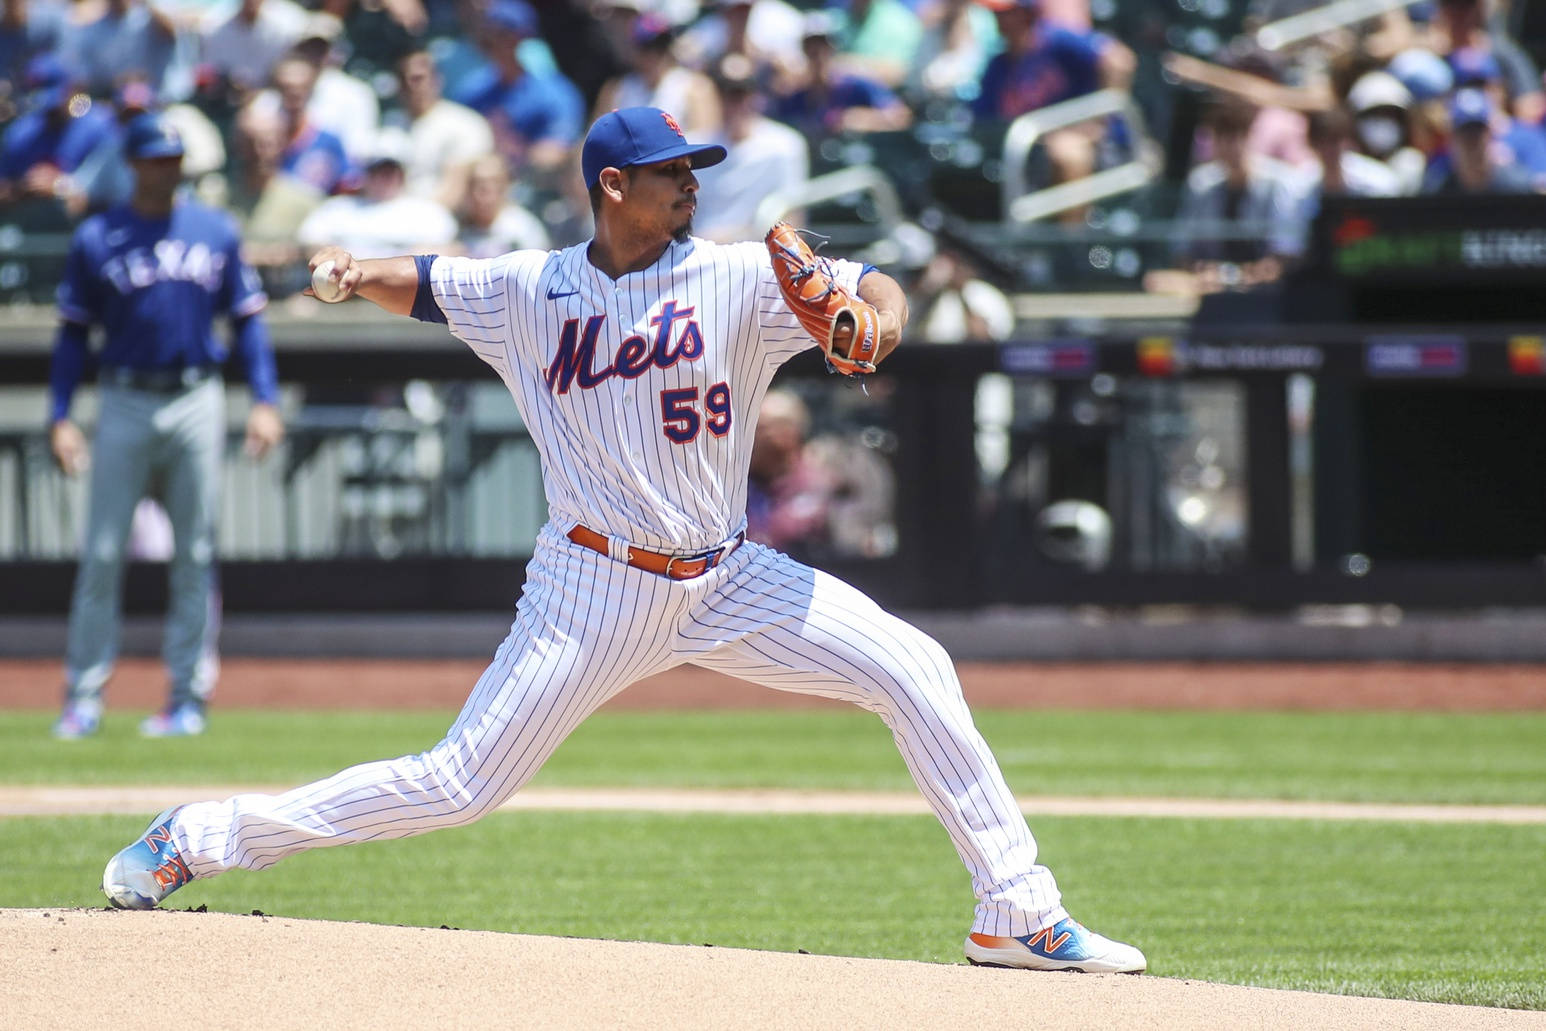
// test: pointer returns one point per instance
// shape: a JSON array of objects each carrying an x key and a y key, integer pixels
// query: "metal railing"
[
  {"x": 1296, "y": 28},
  {"x": 844, "y": 183},
  {"x": 1023, "y": 204},
  {"x": 348, "y": 480}
]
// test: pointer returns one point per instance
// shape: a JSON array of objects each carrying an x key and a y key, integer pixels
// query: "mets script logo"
[
  {"x": 575, "y": 359},
  {"x": 672, "y": 123}
]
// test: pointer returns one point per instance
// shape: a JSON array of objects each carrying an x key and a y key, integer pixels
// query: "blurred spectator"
[
  {"x": 490, "y": 224},
  {"x": 341, "y": 108},
  {"x": 27, "y": 28},
  {"x": 343, "y": 105},
  {"x": 1460, "y": 25},
  {"x": 879, "y": 40},
  {"x": 958, "y": 38},
  {"x": 1254, "y": 77},
  {"x": 1474, "y": 163},
  {"x": 536, "y": 117},
  {"x": 130, "y": 38},
  {"x": 1237, "y": 214},
  {"x": 1479, "y": 69},
  {"x": 243, "y": 47},
  {"x": 831, "y": 101},
  {"x": 60, "y": 128},
  {"x": 1044, "y": 64},
  {"x": 617, "y": 19},
  {"x": 312, "y": 154},
  {"x": 1280, "y": 130},
  {"x": 105, "y": 178},
  {"x": 1381, "y": 107},
  {"x": 462, "y": 56},
  {"x": 1426, "y": 75},
  {"x": 381, "y": 220},
  {"x": 376, "y": 33},
  {"x": 1340, "y": 169},
  {"x": 269, "y": 202},
  {"x": 824, "y": 496},
  {"x": 952, "y": 303},
  {"x": 765, "y": 158},
  {"x": 658, "y": 79},
  {"x": 788, "y": 492},
  {"x": 861, "y": 510},
  {"x": 578, "y": 42},
  {"x": 445, "y": 137},
  {"x": 766, "y": 31}
]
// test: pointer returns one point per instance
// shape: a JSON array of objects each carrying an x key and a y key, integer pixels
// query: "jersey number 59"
[{"x": 681, "y": 419}]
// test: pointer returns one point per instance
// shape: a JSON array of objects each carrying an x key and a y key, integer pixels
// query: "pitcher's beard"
[{"x": 682, "y": 232}]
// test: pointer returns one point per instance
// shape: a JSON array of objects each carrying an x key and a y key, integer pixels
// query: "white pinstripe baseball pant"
[{"x": 588, "y": 626}]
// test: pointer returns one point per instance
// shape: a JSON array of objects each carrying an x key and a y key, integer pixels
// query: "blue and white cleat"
[
  {"x": 79, "y": 719},
  {"x": 186, "y": 720},
  {"x": 147, "y": 871},
  {"x": 1066, "y": 945}
]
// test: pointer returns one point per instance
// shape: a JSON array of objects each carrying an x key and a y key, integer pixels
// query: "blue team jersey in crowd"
[
  {"x": 804, "y": 111},
  {"x": 535, "y": 107},
  {"x": 35, "y": 137},
  {"x": 1063, "y": 64},
  {"x": 316, "y": 157},
  {"x": 156, "y": 285}
]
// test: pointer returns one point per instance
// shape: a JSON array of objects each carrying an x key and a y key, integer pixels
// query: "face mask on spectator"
[{"x": 1380, "y": 134}]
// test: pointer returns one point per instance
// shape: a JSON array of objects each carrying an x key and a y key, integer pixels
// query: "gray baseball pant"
[{"x": 171, "y": 444}]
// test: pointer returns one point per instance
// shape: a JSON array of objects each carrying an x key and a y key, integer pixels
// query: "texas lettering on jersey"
[
  {"x": 168, "y": 261},
  {"x": 575, "y": 359}
]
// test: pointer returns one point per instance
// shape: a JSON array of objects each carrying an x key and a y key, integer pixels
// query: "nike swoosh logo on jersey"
[{"x": 554, "y": 295}]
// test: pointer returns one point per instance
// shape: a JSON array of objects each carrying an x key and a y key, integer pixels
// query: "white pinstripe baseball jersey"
[{"x": 640, "y": 392}]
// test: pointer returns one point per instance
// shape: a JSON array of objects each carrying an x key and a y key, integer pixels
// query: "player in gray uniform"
[
  {"x": 639, "y": 361},
  {"x": 153, "y": 273}
]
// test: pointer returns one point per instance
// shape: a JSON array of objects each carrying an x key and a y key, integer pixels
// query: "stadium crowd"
[{"x": 453, "y": 125}]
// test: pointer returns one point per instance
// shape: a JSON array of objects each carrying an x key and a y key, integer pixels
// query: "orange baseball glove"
[{"x": 846, "y": 327}]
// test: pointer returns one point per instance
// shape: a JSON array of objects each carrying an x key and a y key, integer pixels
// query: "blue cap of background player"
[
  {"x": 151, "y": 136},
  {"x": 1469, "y": 107},
  {"x": 640, "y": 136}
]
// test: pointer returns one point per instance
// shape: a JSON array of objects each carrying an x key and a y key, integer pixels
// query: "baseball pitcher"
[{"x": 639, "y": 360}]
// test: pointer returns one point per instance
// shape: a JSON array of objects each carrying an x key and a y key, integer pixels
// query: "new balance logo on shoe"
[
  {"x": 149, "y": 870},
  {"x": 1044, "y": 939}
]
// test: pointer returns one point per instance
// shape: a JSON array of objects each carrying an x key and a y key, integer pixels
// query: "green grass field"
[{"x": 1439, "y": 912}]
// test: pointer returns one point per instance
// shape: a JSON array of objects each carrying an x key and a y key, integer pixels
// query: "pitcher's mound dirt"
[{"x": 98, "y": 968}]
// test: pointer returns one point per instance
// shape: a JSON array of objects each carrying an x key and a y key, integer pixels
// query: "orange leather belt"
[{"x": 675, "y": 567}]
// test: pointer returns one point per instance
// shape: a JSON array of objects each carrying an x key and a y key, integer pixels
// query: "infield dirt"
[{"x": 99, "y": 968}]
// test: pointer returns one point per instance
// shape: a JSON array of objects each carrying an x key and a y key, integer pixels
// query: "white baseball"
[{"x": 324, "y": 285}]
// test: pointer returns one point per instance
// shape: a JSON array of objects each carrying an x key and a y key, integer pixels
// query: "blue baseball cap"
[
  {"x": 515, "y": 16},
  {"x": 640, "y": 136},
  {"x": 1426, "y": 74},
  {"x": 1472, "y": 65},
  {"x": 1469, "y": 107},
  {"x": 151, "y": 136}
]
